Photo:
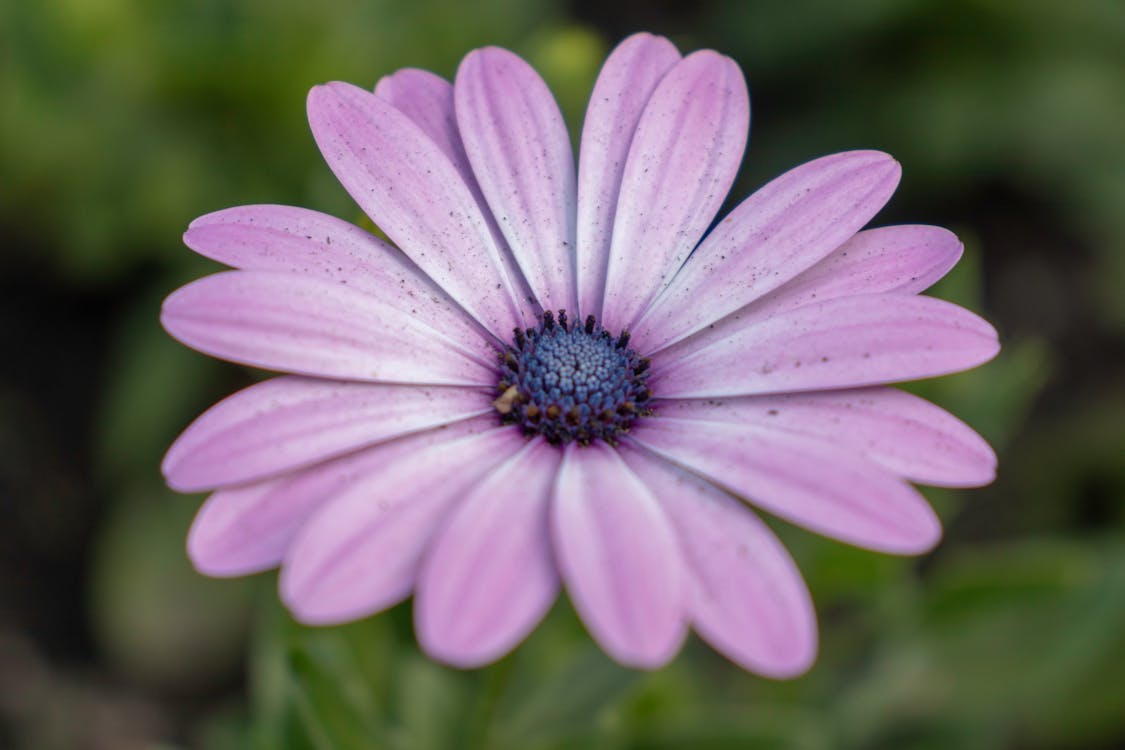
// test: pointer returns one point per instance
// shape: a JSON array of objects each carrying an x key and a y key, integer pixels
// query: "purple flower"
[{"x": 467, "y": 420}]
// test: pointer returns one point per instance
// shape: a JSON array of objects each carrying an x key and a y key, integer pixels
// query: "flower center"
[{"x": 572, "y": 382}]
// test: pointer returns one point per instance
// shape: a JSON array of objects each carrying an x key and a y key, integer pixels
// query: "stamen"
[
  {"x": 572, "y": 383},
  {"x": 507, "y": 399}
]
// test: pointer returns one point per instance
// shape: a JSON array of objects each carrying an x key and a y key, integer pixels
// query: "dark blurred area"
[{"x": 121, "y": 121}]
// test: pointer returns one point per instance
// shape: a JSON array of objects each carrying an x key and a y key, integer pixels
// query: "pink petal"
[
  {"x": 619, "y": 558},
  {"x": 410, "y": 189},
  {"x": 748, "y": 599},
  {"x": 518, "y": 145},
  {"x": 904, "y": 259},
  {"x": 301, "y": 324},
  {"x": 624, "y": 87},
  {"x": 489, "y": 576},
  {"x": 362, "y": 551},
  {"x": 244, "y": 530},
  {"x": 289, "y": 422},
  {"x": 282, "y": 238},
  {"x": 775, "y": 234},
  {"x": 805, "y": 480},
  {"x": 427, "y": 99},
  {"x": 682, "y": 161},
  {"x": 905, "y": 434},
  {"x": 838, "y": 343},
  {"x": 248, "y": 529}
]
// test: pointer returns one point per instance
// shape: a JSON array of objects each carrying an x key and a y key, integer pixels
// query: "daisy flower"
[{"x": 557, "y": 376}]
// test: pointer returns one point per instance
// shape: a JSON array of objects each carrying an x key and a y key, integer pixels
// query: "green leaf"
[
  {"x": 337, "y": 691},
  {"x": 568, "y": 700}
]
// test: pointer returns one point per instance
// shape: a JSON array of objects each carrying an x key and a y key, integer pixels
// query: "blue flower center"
[{"x": 571, "y": 383}]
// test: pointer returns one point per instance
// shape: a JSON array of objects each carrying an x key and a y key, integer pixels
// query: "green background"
[{"x": 121, "y": 120}]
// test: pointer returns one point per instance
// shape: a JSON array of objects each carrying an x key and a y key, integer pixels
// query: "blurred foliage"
[
  {"x": 967, "y": 93},
  {"x": 1006, "y": 641},
  {"x": 135, "y": 117},
  {"x": 121, "y": 120}
]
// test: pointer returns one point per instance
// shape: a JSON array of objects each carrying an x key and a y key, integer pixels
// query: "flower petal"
[
  {"x": 518, "y": 145},
  {"x": 903, "y": 259},
  {"x": 410, "y": 189},
  {"x": 300, "y": 324},
  {"x": 839, "y": 343},
  {"x": 624, "y": 87},
  {"x": 283, "y": 238},
  {"x": 618, "y": 555},
  {"x": 906, "y": 259},
  {"x": 775, "y": 234},
  {"x": 244, "y": 530},
  {"x": 248, "y": 529},
  {"x": 361, "y": 552},
  {"x": 489, "y": 576},
  {"x": 748, "y": 598},
  {"x": 290, "y": 422},
  {"x": 807, "y": 481},
  {"x": 427, "y": 99},
  {"x": 682, "y": 161},
  {"x": 903, "y": 433}
]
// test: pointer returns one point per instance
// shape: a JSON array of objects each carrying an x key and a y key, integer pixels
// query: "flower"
[{"x": 563, "y": 379}]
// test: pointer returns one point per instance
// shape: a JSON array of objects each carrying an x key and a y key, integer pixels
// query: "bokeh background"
[{"x": 121, "y": 120}]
